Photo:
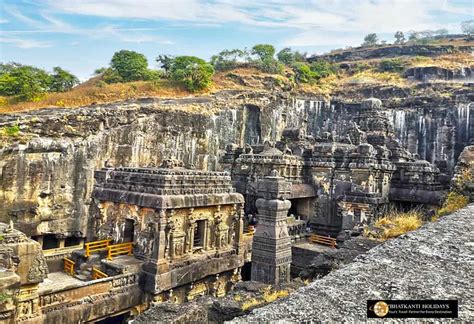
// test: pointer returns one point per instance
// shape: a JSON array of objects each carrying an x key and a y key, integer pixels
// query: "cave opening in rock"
[
  {"x": 118, "y": 319},
  {"x": 72, "y": 241},
  {"x": 129, "y": 230},
  {"x": 50, "y": 242},
  {"x": 246, "y": 271}
]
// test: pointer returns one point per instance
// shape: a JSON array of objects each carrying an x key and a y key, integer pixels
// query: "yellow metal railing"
[
  {"x": 97, "y": 274},
  {"x": 250, "y": 230},
  {"x": 95, "y": 246},
  {"x": 119, "y": 249},
  {"x": 69, "y": 266}
]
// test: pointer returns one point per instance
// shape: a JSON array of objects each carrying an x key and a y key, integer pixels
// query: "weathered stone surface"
[
  {"x": 432, "y": 262},
  {"x": 174, "y": 314},
  {"x": 463, "y": 180},
  {"x": 46, "y": 181},
  {"x": 333, "y": 259},
  {"x": 361, "y": 53}
]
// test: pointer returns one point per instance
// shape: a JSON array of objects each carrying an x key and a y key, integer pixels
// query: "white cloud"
[
  {"x": 3, "y": 21},
  {"x": 25, "y": 43},
  {"x": 310, "y": 22},
  {"x": 51, "y": 24}
]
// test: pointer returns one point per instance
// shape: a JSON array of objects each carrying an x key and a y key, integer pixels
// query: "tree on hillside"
[
  {"x": 228, "y": 59},
  {"x": 263, "y": 51},
  {"x": 23, "y": 81},
  {"x": 467, "y": 27},
  {"x": 130, "y": 65},
  {"x": 442, "y": 31},
  {"x": 62, "y": 80},
  {"x": 399, "y": 37},
  {"x": 165, "y": 62},
  {"x": 193, "y": 72},
  {"x": 370, "y": 40},
  {"x": 286, "y": 56},
  {"x": 414, "y": 36},
  {"x": 265, "y": 61}
]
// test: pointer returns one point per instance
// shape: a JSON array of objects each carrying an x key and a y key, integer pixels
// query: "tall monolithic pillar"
[{"x": 271, "y": 247}]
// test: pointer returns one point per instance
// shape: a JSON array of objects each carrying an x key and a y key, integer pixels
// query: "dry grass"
[
  {"x": 96, "y": 92},
  {"x": 395, "y": 223},
  {"x": 370, "y": 76},
  {"x": 268, "y": 296},
  {"x": 452, "y": 61},
  {"x": 453, "y": 202}
]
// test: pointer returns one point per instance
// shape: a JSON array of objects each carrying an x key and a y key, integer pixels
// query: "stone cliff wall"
[{"x": 46, "y": 180}]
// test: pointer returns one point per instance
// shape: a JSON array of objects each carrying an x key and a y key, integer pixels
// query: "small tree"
[
  {"x": 263, "y": 51},
  {"x": 442, "y": 32},
  {"x": 414, "y": 36},
  {"x": 62, "y": 80},
  {"x": 165, "y": 62},
  {"x": 370, "y": 40},
  {"x": 130, "y": 65},
  {"x": 393, "y": 65},
  {"x": 228, "y": 59},
  {"x": 23, "y": 81},
  {"x": 193, "y": 72},
  {"x": 303, "y": 73},
  {"x": 399, "y": 37},
  {"x": 286, "y": 56},
  {"x": 467, "y": 27}
]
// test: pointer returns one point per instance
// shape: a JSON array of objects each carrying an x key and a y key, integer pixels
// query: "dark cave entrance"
[
  {"x": 128, "y": 230},
  {"x": 71, "y": 241},
  {"x": 246, "y": 271},
  {"x": 118, "y": 319},
  {"x": 50, "y": 242}
]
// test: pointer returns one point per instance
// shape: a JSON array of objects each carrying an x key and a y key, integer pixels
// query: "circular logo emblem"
[{"x": 381, "y": 309}]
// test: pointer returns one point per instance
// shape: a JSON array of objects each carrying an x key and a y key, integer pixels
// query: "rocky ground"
[{"x": 434, "y": 262}]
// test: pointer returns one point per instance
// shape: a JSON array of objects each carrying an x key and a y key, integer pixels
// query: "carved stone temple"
[
  {"x": 184, "y": 229},
  {"x": 172, "y": 234}
]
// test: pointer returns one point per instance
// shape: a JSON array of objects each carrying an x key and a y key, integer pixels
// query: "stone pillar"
[
  {"x": 271, "y": 249},
  {"x": 157, "y": 263}
]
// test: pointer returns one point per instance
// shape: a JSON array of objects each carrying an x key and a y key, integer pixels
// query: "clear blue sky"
[{"x": 81, "y": 36}]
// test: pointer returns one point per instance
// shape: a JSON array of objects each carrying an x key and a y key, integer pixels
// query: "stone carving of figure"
[
  {"x": 248, "y": 149},
  {"x": 274, "y": 173}
]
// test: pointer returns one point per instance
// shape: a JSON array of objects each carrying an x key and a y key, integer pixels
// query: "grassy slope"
[{"x": 95, "y": 92}]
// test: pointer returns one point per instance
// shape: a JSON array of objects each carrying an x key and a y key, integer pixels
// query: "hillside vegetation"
[{"x": 260, "y": 68}]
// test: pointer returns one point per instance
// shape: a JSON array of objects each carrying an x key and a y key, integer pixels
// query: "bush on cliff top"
[
  {"x": 28, "y": 83},
  {"x": 195, "y": 73}
]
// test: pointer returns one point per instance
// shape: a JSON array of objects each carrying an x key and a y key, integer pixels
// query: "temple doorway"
[{"x": 129, "y": 230}]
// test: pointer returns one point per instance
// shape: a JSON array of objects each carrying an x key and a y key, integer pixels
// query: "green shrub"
[
  {"x": 303, "y": 73},
  {"x": 62, "y": 80},
  {"x": 195, "y": 73},
  {"x": 394, "y": 65},
  {"x": 130, "y": 65},
  {"x": 10, "y": 131},
  {"x": 23, "y": 82},
  {"x": 270, "y": 65},
  {"x": 322, "y": 69}
]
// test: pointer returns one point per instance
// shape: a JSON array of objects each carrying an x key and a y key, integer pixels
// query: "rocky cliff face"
[{"x": 46, "y": 178}]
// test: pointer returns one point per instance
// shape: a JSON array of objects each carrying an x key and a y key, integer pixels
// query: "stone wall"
[{"x": 46, "y": 180}]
